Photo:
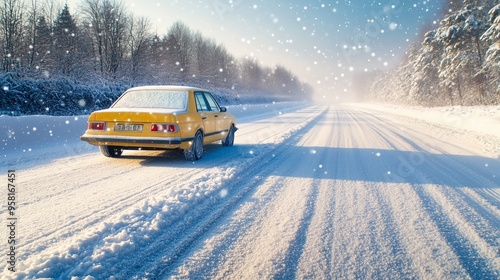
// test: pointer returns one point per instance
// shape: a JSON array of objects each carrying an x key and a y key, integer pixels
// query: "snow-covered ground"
[
  {"x": 316, "y": 191},
  {"x": 483, "y": 119}
]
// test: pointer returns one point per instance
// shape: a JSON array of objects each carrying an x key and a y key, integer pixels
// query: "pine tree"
[
  {"x": 65, "y": 42},
  {"x": 42, "y": 52}
]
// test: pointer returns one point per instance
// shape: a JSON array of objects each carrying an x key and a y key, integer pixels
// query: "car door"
[
  {"x": 207, "y": 115},
  {"x": 221, "y": 120}
]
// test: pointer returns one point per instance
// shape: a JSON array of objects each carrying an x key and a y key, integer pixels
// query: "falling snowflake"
[{"x": 223, "y": 193}]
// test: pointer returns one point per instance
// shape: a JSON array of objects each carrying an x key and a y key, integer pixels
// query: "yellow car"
[{"x": 161, "y": 117}]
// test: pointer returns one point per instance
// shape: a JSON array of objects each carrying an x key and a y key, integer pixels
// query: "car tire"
[
  {"x": 110, "y": 151},
  {"x": 229, "y": 140},
  {"x": 195, "y": 152}
]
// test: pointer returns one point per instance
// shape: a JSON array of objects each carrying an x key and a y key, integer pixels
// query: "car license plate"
[{"x": 128, "y": 127}]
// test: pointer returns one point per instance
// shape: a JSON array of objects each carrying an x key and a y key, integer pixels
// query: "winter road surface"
[{"x": 315, "y": 192}]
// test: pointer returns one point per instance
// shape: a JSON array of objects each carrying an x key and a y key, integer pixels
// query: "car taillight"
[
  {"x": 164, "y": 128},
  {"x": 96, "y": 126}
]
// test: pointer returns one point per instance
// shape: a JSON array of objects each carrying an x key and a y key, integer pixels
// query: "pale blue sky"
[{"x": 322, "y": 42}]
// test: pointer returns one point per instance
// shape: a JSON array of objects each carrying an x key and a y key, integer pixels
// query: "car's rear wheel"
[
  {"x": 195, "y": 152},
  {"x": 229, "y": 140},
  {"x": 111, "y": 151}
]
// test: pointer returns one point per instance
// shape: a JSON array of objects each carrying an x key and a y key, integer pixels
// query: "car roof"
[{"x": 166, "y": 87}]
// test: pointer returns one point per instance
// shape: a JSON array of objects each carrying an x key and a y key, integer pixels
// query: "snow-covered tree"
[
  {"x": 107, "y": 22},
  {"x": 11, "y": 24},
  {"x": 48, "y": 51},
  {"x": 42, "y": 44},
  {"x": 202, "y": 62},
  {"x": 458, "y": 60},
  {"x": 460, "y": 33},
  {"x": 425, "y": 76},
  {"x": 252, "y": 73},
  {"x": 223, "y": 65},
  {"x": 156, "y": 60},
  {"x": 179, "y": 42},
  {"x": 66, "y": 48},
  {"x": 491, "y": 68},
  {"x": 139, "y": 40}
]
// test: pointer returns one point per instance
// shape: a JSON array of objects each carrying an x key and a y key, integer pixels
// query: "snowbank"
[
  {"x": 26, "y": 138},
  {"x": 481, "y": 119}
]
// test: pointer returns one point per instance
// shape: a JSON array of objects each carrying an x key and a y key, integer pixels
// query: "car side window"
[
  {"x": 201, "y": 103},
  {"x": 214, "y": 107}
]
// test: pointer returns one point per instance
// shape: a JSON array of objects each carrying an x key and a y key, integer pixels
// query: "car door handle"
[
  {"x": 204, "y": 118},
  {"x": 216, "y": 116}
]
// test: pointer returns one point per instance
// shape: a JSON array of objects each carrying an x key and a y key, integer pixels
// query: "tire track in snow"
[
  {"x": 382, "y": 136},
  {"x": 459, "y": 174},
  {"x": 263, "y": 248},
  {"x": 420, "y": 236},
  {"x": 403, "y": 139},
  {"x": 162, "y": 260},
  {"x": 477, "y": 266},
  {"x": 412, "y": 253},
  {"x": 483, "y": 218},
  {"x": 206, "y": 261},
  {"x": 378, "y": 226},
  {"x": 316, "y": 252},
  {"x": 430, "y": 140},
  {"x": 227, "y": 238},
  {"x": 62, "y": 230},
  {"x": 361, "y": 222},
  {"x": 297, "y": 244},
  {"x": 366, "y": 230},
  {"x": 473, "y": 236}
]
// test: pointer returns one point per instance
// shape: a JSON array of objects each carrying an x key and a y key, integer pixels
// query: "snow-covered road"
[{"x": 312, "y": 192}]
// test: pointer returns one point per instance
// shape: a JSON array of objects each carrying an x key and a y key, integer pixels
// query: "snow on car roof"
[{"x": 166, "y": 87}]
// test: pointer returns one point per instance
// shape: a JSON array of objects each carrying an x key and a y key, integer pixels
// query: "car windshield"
[{"x": 162, "y": 99}]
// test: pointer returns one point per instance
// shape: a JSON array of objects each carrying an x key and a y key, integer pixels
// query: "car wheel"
[
  {"x": 110, "y": 151},
  {"x": 195, "y": 152},
  {"x": 229, "y": 141}
]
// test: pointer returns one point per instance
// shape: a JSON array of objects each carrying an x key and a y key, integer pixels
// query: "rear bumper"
[{"x": 130, "y": 140}]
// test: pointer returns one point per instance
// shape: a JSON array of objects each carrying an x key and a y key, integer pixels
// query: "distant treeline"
[
  {"x": 456, "y": 64},
  {"x": 21, "y": 95},
  {"x": 103, "y": 49}
]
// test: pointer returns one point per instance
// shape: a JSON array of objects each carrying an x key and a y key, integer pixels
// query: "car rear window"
[{"x": 153, "y": 99}]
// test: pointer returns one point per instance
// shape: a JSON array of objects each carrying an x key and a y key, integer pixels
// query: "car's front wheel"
[
  {"x": 110, "y": 151},
  {"x": 195, "y": 152}
]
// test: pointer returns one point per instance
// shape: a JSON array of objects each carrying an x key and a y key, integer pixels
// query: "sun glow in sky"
[{"x": 322, "y": 42}]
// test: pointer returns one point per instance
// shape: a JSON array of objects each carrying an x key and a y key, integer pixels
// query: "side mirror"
[{"x": 223, "y": 109}]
